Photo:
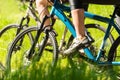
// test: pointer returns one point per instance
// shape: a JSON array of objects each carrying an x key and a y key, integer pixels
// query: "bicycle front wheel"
[
  {"x": 7, "y": 34},
  {"x": 18, "y": 52},
  {"x": 115, "y": 56}
]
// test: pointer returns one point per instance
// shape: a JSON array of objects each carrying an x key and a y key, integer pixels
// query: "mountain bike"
[
  {"x": 41, "y": 50},
  {"x": 8, "y": 33}
]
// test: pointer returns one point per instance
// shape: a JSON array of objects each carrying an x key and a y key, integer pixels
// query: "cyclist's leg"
[
  {"x": 77, "y": 11},
  {"x": 42, "y": 7}
]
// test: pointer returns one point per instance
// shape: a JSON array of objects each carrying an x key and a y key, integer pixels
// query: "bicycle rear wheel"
[{"x": 17, "y": 54}]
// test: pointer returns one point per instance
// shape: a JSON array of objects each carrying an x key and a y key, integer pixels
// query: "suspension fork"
[
  {"x": 31, "y": 51},
  {"x": 20, "y": 27},
  {"x": 43, "y": 44}
]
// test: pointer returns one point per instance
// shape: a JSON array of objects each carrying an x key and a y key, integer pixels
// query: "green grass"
[
  {"x": 12, "y": 12},
  {"x": 9, "y": 12}
]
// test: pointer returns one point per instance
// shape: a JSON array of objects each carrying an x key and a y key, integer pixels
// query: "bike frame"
[{"x": 58, "y": 10}]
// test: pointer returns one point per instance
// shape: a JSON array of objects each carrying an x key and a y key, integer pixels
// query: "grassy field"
[{"x": 11, "y": 11}]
